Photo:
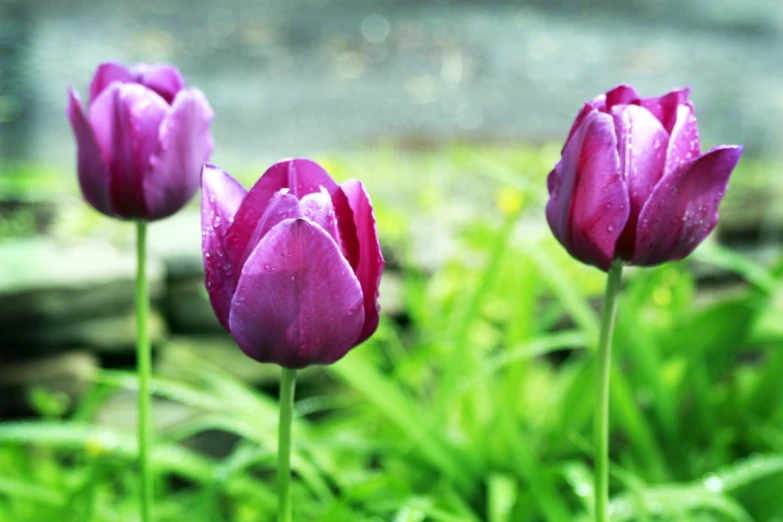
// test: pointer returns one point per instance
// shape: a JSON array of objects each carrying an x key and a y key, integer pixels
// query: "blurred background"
[{"x": 473, "y": 401}]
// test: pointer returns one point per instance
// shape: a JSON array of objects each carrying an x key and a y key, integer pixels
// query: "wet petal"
[
  {"x": 126, "y": 119},
  {"x": 298, "y": 301},
  {"x": 683, "y": 208},
  {"x": 366, "y": 257},
  {"x": 93, "y": 172},
  {"x": 184, "y": 145},
  {"x": 318, "y": 208},
  {"x": 588, "y": 205},
  {"x": 621, "y": 95},
  {"x": 106, "y": 74},
  {"x": 299, "y": 176},
  {"x": 220, "y": 198},
  {"x": 664, "y": 108},
  {"x": 165, "y": 80},
  {"x": 684, "y": 141},
  {"x": 282, "y": 206},
  {"x": 641, "y": 144},
  {"x": 587, "y": 109}
]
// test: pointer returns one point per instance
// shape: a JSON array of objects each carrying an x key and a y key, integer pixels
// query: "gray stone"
[
  {"x": 188, "y": 309},
  {"x": 44, "y": 282},
  {"x": 176, "y": 241},
  {"x": 65, "y": 377},
  {"x": 108, "y": 335}
]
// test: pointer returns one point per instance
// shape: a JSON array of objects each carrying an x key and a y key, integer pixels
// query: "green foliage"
[{"x": 476, "y": 405}]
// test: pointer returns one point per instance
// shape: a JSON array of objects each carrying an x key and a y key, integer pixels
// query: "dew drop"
[{"x": 713, "y": 483}]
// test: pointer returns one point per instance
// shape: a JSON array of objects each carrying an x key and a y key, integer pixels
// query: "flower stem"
[
  {"x": 603, "y": 369},
  {"x": 287, "y": 387},
  {"x": 144, "y": 364}
]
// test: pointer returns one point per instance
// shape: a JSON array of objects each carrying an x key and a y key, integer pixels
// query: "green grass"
[{"x": 477, "y": 405}]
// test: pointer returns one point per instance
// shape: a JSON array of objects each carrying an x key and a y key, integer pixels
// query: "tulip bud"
[
  {"x": 293, "y": 265},
  {"x": 632, "y": 182},
  {"x": 142, "y": 143}
]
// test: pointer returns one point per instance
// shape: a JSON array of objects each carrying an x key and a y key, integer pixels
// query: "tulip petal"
[
  {"x": 126, "y": 118},
  {"x": 299, "y": 176},
  {"x": 664, "y": 108},
  {"x": 586, "y": 109},
  {"x": 297, "y": 302},
  {"x": 221, "y": 196},
  {"x": 684, "y": 141},
  {"x": 621, "y": 95},
  {"x": 588, "y": 205},
  {"x": 346, "y": 228},
  {"x": 641, "y": 144},
  {"x": 93, "y": 172},
  {"x": 366, "y": 258},
  {"x": 683, "y": 208},
  {"x": 165, "y": 80},
  {"x": 184, "y": 144},
  {"x": 318, "y": 208},
  {"x": 107, "y": 73},
  {"x": 282, "y": 206}
]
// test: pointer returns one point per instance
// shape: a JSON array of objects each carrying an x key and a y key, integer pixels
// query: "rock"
[
  {"x": 176, "y": 241},
  {"x": 65, "y": 377},
  {"x": 45, "y": 283},
  {"x": 105, "y": 335},
  {"x": 188, "y": 309}
]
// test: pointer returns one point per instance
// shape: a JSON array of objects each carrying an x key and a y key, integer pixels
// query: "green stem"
[
  {"x": 603, "y": 369},
  {"x": 144, "y": 362},
  {"x": 287, "y": 387}
]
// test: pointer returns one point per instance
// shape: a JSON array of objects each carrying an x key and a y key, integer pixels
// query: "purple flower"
[
  {"x": 633, "y": 183},
  {"x": 142, "y": 143},
  {"x": 293, "y": 265}
]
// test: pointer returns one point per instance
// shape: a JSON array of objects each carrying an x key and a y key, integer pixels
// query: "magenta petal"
[
  {"x": 621, "y": 95},
  {"x": 299, "y": 176},
  {"x": 370, "y": 263},
  {"x": 126, "y": 118},
  {"x": 93, "y": 172},
  {"x": 683, "y": 208},
  {"x": 318, "y": 208},
  {"x": 586, "y": 109},
  {"x": 221, "y": 196},
  {"x": 297, "y": 302},
  {"x": 106, "y": 74},
  {"x": 588, "y": 205},
  {"x": 184, "y": 145},
  {"x": 641, "y": 144},
  {"x": 664, "y": 108},
  {"x": 165, "y": 80},
  {"x": 684, "y": 141},
  {"x": 346, "y": 228},
  {"x": 282, "y": 206}
]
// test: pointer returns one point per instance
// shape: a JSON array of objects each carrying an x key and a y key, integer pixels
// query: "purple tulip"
[
  {"x": 293, "y": 265},
  {"x": 143, "y": 142},
  {"x": 633, "y": 183}
]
